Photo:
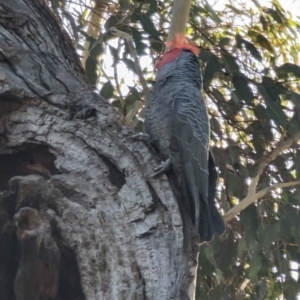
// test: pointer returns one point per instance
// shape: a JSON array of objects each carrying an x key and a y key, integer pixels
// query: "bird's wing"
[
  {"x": 191, "y": 131},
  {"x": 191, "y": 128}
]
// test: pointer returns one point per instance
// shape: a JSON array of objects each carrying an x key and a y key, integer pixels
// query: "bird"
[{"x": 177, "y": 126}]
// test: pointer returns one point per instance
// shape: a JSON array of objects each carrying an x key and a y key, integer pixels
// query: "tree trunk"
[{"x": 80, "y": 216}]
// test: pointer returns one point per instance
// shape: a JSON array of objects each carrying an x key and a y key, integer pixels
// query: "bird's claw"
[
  {"x": 162, "y": 168},
  {"x": 143, "y": 137}
]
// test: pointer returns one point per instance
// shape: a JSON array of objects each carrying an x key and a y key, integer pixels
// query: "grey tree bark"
[{"x": 80, "y": 216}]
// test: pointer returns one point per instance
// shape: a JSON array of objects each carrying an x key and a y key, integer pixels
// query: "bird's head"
[{"x": 174, "y": 49}]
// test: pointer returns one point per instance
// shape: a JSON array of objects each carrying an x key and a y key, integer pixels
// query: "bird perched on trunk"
[{"x": 177, "y": 125}]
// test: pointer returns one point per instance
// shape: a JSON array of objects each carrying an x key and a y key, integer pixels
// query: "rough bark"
[{"x": 80, "y": 216}]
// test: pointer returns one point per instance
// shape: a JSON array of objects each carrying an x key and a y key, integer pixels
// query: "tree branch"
[
  {"x": 249, "y": 199},
  {"x": 93, "y": 27},
  {"x": 281, "y": 146},
  {"x": 128, "y": 38},
  {"x": 180, "y": 16},
  {"x": 252, "y": 195},
  {"x": 279, "y": 185}
]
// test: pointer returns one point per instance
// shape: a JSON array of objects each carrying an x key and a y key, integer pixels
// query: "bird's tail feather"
[{"x": 205, "y": 215}]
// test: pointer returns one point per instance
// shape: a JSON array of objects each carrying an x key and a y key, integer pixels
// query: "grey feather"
[{"x": 177, "y": 121}]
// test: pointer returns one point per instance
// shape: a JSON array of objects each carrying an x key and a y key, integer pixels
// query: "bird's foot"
[
  {"x": 143, "y": 137},
  {"x": 162, "y": 168}
]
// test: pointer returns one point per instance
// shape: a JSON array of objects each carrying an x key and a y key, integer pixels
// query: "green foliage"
[{"x": 251, "y": 79}]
